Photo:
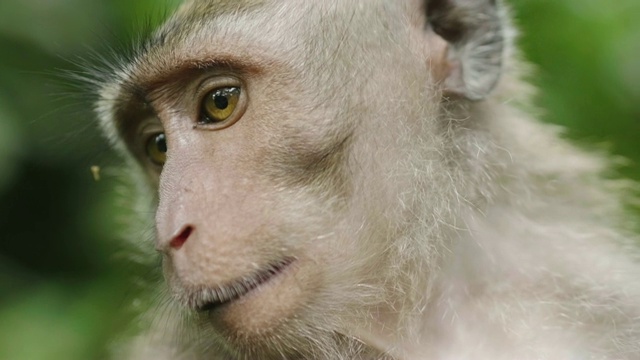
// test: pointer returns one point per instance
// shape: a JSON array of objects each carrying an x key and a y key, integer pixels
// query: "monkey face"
[
  {"x": 281, "y": 161},
  {"x": 329, "y": 185}
]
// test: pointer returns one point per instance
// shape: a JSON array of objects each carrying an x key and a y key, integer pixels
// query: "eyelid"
[
  {"x": 216, "y": 82},
  {"x": 149, "y": 127},
  {"x": 146, "y": 129}
]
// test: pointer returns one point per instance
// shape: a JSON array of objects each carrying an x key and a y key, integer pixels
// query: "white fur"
[{"x": 482, "y": 234}]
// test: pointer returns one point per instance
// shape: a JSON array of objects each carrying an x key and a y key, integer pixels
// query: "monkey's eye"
[
  {"x": 157, "y": 148},
  {"x": 219, "y": 104}
]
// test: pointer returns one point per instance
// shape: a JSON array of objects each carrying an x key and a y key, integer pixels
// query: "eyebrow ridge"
[{"x": 186, "y": 69}]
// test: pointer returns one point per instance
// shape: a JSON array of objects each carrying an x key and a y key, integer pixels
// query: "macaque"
[{"x": 361, "y": 179}]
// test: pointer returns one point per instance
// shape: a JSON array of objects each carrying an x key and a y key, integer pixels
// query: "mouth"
[{"x": 209, "y": 299}]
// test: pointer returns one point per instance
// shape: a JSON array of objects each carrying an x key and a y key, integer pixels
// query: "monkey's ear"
[{"x": 474, "y": 30}]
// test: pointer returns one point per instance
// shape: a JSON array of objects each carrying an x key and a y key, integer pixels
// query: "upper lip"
[{"x": 209, "y": 298}]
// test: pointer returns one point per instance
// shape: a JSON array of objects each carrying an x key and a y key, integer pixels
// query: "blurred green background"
[{"x": 62, "y": 284}]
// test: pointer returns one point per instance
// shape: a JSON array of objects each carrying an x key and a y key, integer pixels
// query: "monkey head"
[{"x": 303, "y": 159}]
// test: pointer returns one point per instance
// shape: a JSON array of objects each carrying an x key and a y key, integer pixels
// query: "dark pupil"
[
  {"x": 221, "y": 101},
  {"x": 161, "y": 143}
]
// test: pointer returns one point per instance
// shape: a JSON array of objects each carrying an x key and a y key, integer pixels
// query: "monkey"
[{"x": 365, "y": 179}]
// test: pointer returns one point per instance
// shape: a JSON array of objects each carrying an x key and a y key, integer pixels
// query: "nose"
[
  {"x": 176, "y": 241},
  {"x": 181, "y": 237}
]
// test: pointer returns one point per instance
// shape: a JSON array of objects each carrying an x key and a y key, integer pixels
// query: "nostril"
[{"x": 181, "y": 238}]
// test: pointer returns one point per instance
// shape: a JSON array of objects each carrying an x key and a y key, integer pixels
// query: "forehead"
[
  {"x": 198, "y": 16},
  {"x": 197, "y": 11},
  {"x": 291, "y": 34},
  {"x": 218, "y": 7},
  {"x": 203, "y": 31}
]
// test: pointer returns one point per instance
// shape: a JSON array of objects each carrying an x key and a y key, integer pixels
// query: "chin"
[{"x": 253, "y": 307}]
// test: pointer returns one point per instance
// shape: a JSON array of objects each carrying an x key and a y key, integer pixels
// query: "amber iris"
[
  {"x": 157, "y": 148},
  {"x": 219, "y": 104}
]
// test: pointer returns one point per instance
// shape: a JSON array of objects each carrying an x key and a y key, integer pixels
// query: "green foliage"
[
  {"x": 588, "y": 57},
  {"x": 58, "y": 286}
]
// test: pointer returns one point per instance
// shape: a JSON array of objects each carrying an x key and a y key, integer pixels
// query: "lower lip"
[{"x": 282, "y": 270}]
